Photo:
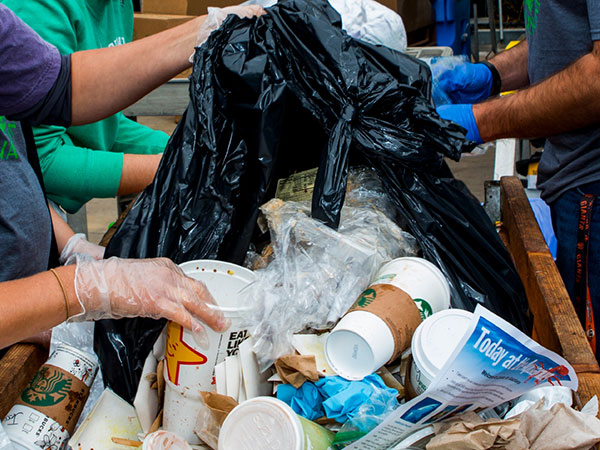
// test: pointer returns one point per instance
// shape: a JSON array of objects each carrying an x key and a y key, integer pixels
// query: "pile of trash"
[{"x": 372, "y": 303}]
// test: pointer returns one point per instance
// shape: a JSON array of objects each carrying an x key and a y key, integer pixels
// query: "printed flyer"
[{"x": 493, "y": 363}]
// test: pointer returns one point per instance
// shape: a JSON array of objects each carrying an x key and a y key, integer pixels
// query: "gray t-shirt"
[
  {"x": 25, "y": 231},
  {"x": 558, "y": 33},
  {"x": 29, "y": 68}
]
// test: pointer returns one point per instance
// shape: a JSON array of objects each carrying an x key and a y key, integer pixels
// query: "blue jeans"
[{"x": 565, "y": 220}]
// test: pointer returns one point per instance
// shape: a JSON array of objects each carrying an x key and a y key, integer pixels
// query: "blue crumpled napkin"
[{"x": 336, "y": 397}]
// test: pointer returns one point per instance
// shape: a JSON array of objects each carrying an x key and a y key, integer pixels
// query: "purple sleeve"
[{"x": 29, "y": 66}]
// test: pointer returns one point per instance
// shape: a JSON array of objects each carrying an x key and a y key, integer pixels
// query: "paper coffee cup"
[
  {"x": 48, "y": 409},
  {"x": 420, "y": 279},
  {"x": 433, "y": 343},
  {"x": 189, "y": 368},
  {"x": 376, "y": 330},
  {"x": 265, "y": 422}
]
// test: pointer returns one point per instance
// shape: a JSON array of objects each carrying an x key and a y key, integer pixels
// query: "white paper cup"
[
  {"x": 268, "y": 423},
  {"x": 49, "y": 407},
  {"x": 359, "y": 345},
  {"x": 420, "y": 279},
  {"x": 433, "y": 343},
  {"x": 190, "y": 367}
]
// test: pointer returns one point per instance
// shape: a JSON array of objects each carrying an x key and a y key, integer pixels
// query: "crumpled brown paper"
[
  {"x": 213, "y": 412},
  {"x": 559, "y": 428},
  {"x": 469, "y": 431},
  {"x": 296, "y": 369}
]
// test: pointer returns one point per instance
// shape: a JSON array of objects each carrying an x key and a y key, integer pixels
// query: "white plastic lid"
[
  {"x": 359, "y": 345},
  {"x": 262, "y": 423},
  {"x": 437, "y": 337}
]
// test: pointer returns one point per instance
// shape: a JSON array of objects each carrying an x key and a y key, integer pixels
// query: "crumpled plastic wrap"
[
  {"x": 317, "y": 272},
  {"x": 439, "y": 65}
]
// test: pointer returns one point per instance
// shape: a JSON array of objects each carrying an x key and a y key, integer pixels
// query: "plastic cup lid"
[
  {"x": 437, "y": 337},
  {"x": 262, "y": 422}
]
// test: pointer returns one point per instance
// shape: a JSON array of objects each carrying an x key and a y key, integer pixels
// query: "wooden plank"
[
  {"x": 556, "y": 325},
  {"x": 17, "y": 368}
]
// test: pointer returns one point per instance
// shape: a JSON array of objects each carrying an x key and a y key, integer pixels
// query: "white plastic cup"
[
  {"x": 48, "y": 409},
  {"x": 189, "y": 368},
  {"x": 267, "y": 423},
  {"x": 420, "y": 279},
  {"x": 433, "y": 343}
]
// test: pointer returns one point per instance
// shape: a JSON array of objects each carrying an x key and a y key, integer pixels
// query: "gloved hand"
[
  {"x": 216, "y": 16},
  {"x": 114, "y": 288},
  {"x": 462, "y": 115},
  {"x": 79, "y": 244},
  {"x": 467, "y": 83}
]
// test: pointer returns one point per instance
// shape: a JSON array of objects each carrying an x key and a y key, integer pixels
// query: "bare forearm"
[
  {"x": 512, "y": 66},
  {"x": 105, "y": 81},
  {"x": 62, "y": 231},
  {"x": 138, "y": 172},
  {"x": 563, "y": 102},
  {"x": 35, "y": 304}
]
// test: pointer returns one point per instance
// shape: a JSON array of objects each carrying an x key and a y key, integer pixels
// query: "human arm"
[
  {"x": 111, "y": 288},
  {"x": 565, "y": 101},
  {"x": 470, "y": 83}
]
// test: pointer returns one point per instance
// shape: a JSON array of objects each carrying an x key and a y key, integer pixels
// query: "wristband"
[{"x": 496, "y": 80}]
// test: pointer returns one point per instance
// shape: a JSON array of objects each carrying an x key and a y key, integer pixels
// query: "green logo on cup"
[
  {"x": 47, "y": 388},
  {"x": 424, "y": 308},
  {"x": 366, "y": 298}
]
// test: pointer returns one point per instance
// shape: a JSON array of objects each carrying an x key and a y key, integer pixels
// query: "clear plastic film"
[
  {"x": 5, "y": 442},
  {"x": 317, "y": 272},
  {"x": 438, "y": 66}
]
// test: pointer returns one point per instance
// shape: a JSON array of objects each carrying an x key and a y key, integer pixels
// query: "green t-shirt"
[{"x": 83, "y": 162}]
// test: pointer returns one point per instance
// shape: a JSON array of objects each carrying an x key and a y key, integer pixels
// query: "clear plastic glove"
[
  {"x": 216, "y": 16},
  {"x": 466, "y": 83},
  {"x": 462, "y": 115},
  {"x": 114, "y": 288},
  {"x": 79, "y": 244}
]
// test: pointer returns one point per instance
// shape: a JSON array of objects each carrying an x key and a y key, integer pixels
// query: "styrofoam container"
[
  {"x": 269, "y": 424},
  {"x": 359, "y": 345},
  {"x": 420, "y": 279},
  {"x": 189, "y": 367},
  {"x": 433, "y": 343}
]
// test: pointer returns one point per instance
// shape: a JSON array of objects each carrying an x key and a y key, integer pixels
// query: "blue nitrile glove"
[
  {"x": 305, "y": 401},
  {"x": 462, "y": 115},
  {"x": 466, "y": 83}
]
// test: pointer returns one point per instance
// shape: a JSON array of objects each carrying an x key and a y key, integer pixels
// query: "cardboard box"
[
  {"x": 186, "y": 7},
  {"x": 148, "y": 24}
]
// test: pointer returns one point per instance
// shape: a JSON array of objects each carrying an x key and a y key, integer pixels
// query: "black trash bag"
[{"x": 286, "y": 92}]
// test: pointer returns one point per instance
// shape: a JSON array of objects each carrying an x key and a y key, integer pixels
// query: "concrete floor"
[{"x": 473, "y": 170}]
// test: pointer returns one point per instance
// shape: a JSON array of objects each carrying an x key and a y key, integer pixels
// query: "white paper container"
[
  {"x": 111, "y": 417},
  {"x": 189, "y": 368},
  {"x": 32, "y": 429},
  {"x": 269, "y": 424},
  {"x": 359, "y": 344},
  {"x": 433, "y": 343},
  {"x": 420, "y": 279}
]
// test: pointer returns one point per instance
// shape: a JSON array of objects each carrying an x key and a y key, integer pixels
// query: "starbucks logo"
[
  {"x": 47, "y": 388},
  {"x": 531, "y": 10},
  {"x": 424, "y": 308},
  {"x": 366, "y": 298}
]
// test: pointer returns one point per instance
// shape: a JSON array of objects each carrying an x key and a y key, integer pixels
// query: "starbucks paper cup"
[
  {"x": 420, "y": 279},
  {"x": 268, "y": 423},
  {"x": 374, "y": 331},
  {"x": 433, "y": 343},
  {"x": 189, "y": 368},
  {"x": 47, "y": 410}
]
